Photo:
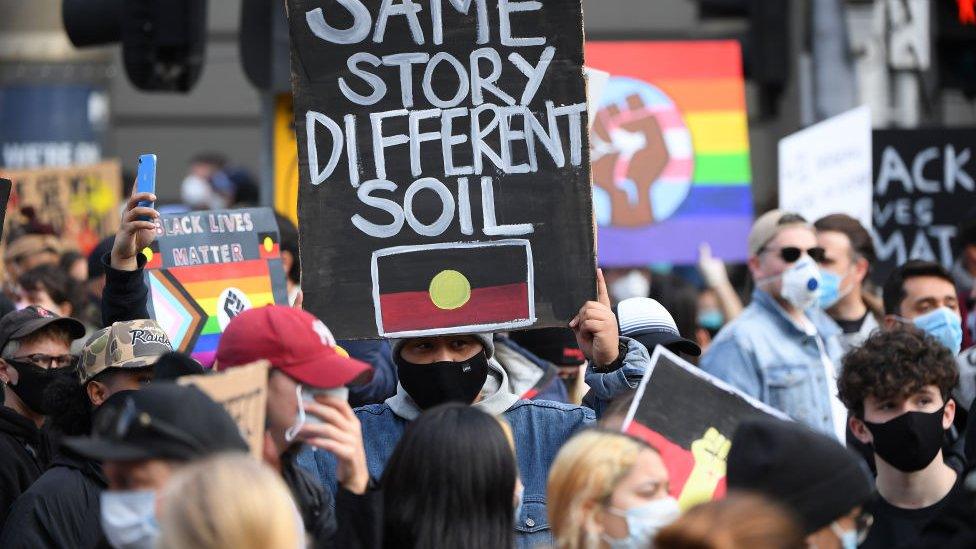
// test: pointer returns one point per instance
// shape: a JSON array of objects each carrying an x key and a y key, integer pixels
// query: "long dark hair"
[{"x": 450, "y": 483}]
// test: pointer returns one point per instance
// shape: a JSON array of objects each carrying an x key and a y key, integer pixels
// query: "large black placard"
[
  {"x": 923, "y": 188},
  {"x": 444, "y": 164}
]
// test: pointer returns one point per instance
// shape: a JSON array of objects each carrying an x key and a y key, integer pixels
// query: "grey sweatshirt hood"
[{"x": 495, "y": 398}]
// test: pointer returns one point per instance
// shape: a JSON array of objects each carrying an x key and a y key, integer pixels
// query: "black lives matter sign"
[
  {"x": 923, "y": 189},
  {"x": 444, "y": 164}
]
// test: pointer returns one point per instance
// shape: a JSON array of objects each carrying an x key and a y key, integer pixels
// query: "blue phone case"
[{"x": 146, "y": 179}]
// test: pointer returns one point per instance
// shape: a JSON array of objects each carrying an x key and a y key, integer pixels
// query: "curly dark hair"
[{"x": 895, "y": 364}]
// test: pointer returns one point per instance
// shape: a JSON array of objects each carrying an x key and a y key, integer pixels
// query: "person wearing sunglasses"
[
  {"x": 34, "y": 351},
  {"x": 783, "y": 349},
  {"x": 61, "y": 508},
  {"x": 824, "y": 484},
  {"x": 897, "y": 387},
  {"x": 143, "y": 437}
]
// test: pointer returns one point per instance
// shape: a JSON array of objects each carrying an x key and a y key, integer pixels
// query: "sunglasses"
[
  {"x": 127, "y": 420},
  {"x": 791, "y": 254}
]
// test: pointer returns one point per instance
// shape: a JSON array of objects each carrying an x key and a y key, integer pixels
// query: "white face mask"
[
  {"x": 303, "y": 394},
  {"x": 644, "y": 522},
  {"x": 801, "y": 283},
  {"x": 129, "y": 519},
  {"x": 632, "y": 284},
  {"x": 197, "y": 193}
]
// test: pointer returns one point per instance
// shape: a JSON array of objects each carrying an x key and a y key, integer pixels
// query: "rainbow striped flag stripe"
[{"x": 704, "y": 81}]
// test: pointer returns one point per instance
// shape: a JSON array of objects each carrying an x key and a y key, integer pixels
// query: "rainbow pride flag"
[
  {"x": 207, "y": 267},
  {"x": 670, "y": 152}
]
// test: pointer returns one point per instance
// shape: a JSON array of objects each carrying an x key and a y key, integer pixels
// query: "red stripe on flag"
[
  {"x": 410, "y": 311},
  {"x": 678, "y": 460},
  {"x": 219, "y": 271},
  {"x": 273, "y": 254}
]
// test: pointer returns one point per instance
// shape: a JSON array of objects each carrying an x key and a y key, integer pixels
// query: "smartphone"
[{"x": 146, "y": 180}]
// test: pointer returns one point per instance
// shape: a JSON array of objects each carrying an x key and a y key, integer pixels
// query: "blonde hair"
[
  {"x": 740, "y": 521},
  {"x": 582, "y": 478},
  {"x": 228, "y": 501}
]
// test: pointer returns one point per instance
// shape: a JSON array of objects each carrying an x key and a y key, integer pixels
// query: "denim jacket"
[
  {"x": 766, "y": 355},
  {"x": 540, "y": 428}
]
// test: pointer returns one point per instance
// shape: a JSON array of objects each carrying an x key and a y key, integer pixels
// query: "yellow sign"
[{"x": 285, "y": 158}]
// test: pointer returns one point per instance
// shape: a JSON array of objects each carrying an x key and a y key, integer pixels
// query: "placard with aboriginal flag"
[
  {"x": 689, "y": 417},
  {"x": 206, "y": 267}
]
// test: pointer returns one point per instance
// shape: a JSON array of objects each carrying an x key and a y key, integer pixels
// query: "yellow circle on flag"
[
  {"x": 148, "y": 253},
  {"x": 268, "y": 244},
  {"x": 450, "y": 290}
]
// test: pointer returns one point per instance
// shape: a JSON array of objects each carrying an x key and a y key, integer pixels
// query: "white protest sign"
[{"x": 826, "y": 168}]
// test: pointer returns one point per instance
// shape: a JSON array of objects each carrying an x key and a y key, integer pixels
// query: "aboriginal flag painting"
[
  {"x": 690, "y": 417},
  {"x": 453, "y": 288}
]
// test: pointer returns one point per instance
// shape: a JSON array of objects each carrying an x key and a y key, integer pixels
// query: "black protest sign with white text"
[
  {"x": 923, "y": 189},
  {"x": 444, "y": 164}
]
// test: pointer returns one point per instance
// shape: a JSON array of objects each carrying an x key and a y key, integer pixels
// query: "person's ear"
[
  {"x": 861, "y": 269},
  {"x": 890, "y": 322},
  {"x": 97, "y": 392},
  {"x": 287, "y": 260},
  {"x": 592, "y": 519},
  {"x": 7, "y": 373},
  {"x": 66, "y": 308},
  {"x": 949, "y": 414},
  {"x": 754, "y": 268},
  {"x": 860, "y": 430}
]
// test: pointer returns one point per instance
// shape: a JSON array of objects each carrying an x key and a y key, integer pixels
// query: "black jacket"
[
  {"x": 61, "y": 509},
  {"x": 25, "y": 452},
  {"x": 126, "y": 294}
]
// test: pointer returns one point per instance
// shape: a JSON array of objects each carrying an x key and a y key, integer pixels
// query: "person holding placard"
[{"x": 462, "y": 368}]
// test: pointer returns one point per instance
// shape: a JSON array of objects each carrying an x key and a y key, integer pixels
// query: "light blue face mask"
[
  {"x": 830, "y": 290},
  {"x": 848, "y": 538},
  {"x": 129, "y": 519},
  {"x": 644, "y": 522},
  {"x": 712, "y": 319},
  {"x": 944, "y": 325}
]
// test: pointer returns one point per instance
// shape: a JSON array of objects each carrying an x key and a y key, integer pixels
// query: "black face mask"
[
  {"x": 439, "y": 382},
  {"x": 33, "y": 380},
  {"x": 910, "y": 441}
]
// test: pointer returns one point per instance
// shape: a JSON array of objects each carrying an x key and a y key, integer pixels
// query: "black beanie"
[{"x": 812, "y": 474}]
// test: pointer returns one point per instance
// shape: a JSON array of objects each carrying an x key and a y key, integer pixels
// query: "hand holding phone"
[{"x": 146, "y": 180}]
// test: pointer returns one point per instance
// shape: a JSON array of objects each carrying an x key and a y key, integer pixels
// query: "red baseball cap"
[{"x": 295, "y": 342}]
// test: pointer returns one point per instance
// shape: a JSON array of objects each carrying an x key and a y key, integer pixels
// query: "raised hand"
[
  {"x": 135, "y": 233},
  {"x": 341, "y": 434},
  {"x": 596, "y": 328}
]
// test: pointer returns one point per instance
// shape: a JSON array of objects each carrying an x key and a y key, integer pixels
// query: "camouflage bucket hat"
[{"x": 131, "y": 344}]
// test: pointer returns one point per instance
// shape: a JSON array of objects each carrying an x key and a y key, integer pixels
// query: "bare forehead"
[{"x": 918, "y": 287}]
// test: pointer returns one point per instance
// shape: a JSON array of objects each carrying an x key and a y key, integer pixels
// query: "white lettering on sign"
[{"x": 453, "y": 115}]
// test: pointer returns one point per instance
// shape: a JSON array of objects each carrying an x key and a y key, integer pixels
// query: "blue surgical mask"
[
  {"x": 712, "y": 319},
  {"x": 944, "y": 325},
  {"x": 644, "y": 522},
  {"x": 830, "y": 290},
  {"x": 129, "y": 519},
  {"x": 848, "y": 538}
]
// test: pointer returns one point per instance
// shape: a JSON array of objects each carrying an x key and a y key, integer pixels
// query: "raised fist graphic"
[{"x": 628, "y": 155}]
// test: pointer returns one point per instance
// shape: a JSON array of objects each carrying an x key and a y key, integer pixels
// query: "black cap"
[
  {"x": 812, "y": 474},
  {"x": 162, "y": 421},
  {"x": 176, "y": 364},
  {"x": 556, "y": 345},
  {"x": 26, "y": 321}
]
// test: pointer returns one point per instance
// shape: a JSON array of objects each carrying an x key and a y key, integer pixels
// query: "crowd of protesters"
[{"x": 491, "y": 440}]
